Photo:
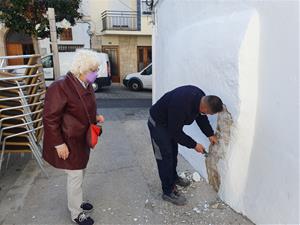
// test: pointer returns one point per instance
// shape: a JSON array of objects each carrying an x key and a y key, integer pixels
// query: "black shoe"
[
  {"x": 182, "y": 182},
  {"x": 82, "y": 219},
  {"x": 175, "y": 199},
  {"x": 87, "y": 207}
]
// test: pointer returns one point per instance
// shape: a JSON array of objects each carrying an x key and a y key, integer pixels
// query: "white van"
[
  {"x": 140, "y": 80},
  {"x": 65, "y": 59}
]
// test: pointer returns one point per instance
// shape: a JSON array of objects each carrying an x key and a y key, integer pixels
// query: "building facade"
[
  {"x": 122, "y": 29},
  {"x": 246, "y": 52}
]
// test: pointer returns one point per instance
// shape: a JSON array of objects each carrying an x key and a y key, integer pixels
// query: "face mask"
[{"x": 91, "y": 77}]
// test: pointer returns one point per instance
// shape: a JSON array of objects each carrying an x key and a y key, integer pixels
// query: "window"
[
  {"x": 66, "y": 35},
  {"x": 147, "y": 71},
  {"x": 68, "y": 48},
  {"x": 146, "y": 10}
]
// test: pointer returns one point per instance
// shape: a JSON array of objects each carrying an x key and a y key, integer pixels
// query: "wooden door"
[
  {"x": 144, "y": 57},
  {"x": 15, "y": 49},
  {"x": 113, "y": 54}
]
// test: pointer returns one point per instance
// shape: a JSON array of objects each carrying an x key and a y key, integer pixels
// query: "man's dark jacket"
[{"x": 178, "y": 108}]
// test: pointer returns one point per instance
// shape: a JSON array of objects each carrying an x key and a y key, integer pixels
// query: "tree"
[{"x": 30, "y": 16}]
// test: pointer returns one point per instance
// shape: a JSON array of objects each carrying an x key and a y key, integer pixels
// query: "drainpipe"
[{"x": 138, "y": 9}]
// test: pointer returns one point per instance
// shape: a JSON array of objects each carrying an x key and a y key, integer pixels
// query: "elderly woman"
[{"x": 66, "y": 122}]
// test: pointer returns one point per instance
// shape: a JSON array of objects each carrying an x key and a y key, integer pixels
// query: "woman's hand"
[
  {"x": 62, "y": 151},
  {"x": 100, "y": 119}
]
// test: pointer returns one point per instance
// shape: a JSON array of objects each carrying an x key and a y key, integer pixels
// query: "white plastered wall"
[{"x": 247, "y": 53}]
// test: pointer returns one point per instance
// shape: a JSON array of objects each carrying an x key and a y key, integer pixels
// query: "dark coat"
[
  {"x": 65, "y": 121},
  {"x": 178, "y": 108}
]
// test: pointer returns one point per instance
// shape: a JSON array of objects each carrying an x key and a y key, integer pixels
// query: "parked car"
[
  {"x": 140, "y": 80},
  {"x": 65, "y": 59}
]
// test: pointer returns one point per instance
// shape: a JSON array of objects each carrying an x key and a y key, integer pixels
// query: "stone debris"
[
  {"x": 215, "y": 206},
  {"x": 135, "y": 219},
  {"x": 196, "y": 210},
  {"x": 183, "y": 175},
  {"x": 196, "y": 177},
  {"x": 188, "y": 213}
]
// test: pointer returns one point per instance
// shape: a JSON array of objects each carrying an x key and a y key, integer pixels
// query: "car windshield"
[
  {"x": 47, "y": 62},
  {"x": 147, "y": 71}
]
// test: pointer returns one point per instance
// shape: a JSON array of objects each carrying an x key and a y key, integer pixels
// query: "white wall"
[
  {"x": 247, "y": 53},
  {"x": 80, "y": 37}
]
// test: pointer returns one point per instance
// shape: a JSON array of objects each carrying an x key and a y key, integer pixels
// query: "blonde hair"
[{"x": 84, "y": 61}]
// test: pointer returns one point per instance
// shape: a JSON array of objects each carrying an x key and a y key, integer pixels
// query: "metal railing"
[{"x": 119, "y": 20}]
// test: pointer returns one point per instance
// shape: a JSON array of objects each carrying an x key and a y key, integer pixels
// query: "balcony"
[{"x": 120, "y": 21}]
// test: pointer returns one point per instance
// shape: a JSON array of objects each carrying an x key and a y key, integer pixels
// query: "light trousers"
[{"x": 74, "y": 191}]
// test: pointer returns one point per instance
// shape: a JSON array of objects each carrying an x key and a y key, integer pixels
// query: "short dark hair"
[{"x": 214, "y": 103}]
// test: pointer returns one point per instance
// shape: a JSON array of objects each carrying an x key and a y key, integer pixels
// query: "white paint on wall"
[
  {"x": 80, "y": 37},
  {"x": 247, "y": 53}
]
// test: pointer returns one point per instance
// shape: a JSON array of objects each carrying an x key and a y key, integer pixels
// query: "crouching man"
[{"x": 179, "y": 107}]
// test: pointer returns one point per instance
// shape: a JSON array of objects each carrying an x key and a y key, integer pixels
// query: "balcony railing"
[{"x": 119, "y": 20}]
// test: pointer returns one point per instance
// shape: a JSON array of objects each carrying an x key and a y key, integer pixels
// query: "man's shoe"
[
  {"x": 175, "y": 199},
  {"x": 82, "y": 219},
  {"x": 176, "y": 191},
  {"x": 182, "y": 182},
  {"x": 87, "y": 207}
]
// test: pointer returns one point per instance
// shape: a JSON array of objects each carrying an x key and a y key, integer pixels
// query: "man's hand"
[
  {"x": 200, "y": 148},
  {"x": 62, "y": 151},
  {"x": 100, "y": 119},
  {"x": 213, "y": 139}
]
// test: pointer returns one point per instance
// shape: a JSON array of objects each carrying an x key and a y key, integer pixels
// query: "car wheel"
[{"x": 135, "y": 85}]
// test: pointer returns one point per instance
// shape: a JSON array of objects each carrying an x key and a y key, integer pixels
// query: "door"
[
  {"x": 146, "y": 75},
  {"x": 18, "y": 44},
  {"x": 144, "y": 57},
  {"x": 14, "y": 49},
  {"x": 113, "y": 54}
]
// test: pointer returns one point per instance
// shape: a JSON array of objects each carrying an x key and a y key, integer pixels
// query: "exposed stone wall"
[
  {"x": 127, "y": 46},
  {"x": 128, "y": 55},
  {"x": 217, "y": 152}
]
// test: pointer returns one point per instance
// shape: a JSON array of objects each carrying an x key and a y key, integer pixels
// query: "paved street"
[{"x": 121, "y": 180}]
